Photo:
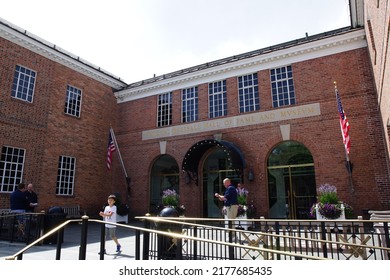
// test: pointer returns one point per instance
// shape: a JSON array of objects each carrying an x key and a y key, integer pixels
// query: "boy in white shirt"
[{"x": 109, "y": 215}]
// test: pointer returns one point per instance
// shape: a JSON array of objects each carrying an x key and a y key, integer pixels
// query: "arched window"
[{"x": 164, "y": 175}]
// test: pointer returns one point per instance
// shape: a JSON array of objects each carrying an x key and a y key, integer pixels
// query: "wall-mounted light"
[{"x": 251, "y": 175}]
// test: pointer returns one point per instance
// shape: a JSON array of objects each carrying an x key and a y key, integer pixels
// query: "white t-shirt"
[{"x": 112, "y": 218}]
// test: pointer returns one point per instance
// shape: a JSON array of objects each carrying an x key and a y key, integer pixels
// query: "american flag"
[
  {"x": 110, "y": 149},
  {"x": 344, "y": 124}
]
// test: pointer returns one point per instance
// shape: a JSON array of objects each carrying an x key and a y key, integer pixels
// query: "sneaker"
[{"x": 118, "y": 248}]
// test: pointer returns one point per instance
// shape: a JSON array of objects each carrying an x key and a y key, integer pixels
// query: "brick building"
[
  {"x": 56, "y": 110},
  {"x": 268, "y": 118},
  {"x": 377, "y": 27}
]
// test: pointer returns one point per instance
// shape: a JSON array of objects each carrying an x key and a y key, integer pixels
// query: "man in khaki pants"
[{"x": 229, "y": 199}]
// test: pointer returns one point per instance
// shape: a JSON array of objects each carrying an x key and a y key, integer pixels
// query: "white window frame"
[
  {"x": 11, "y": 168},
  {"x": 66, "y": 174},
  {"x": 164, "y": 109},
  {"x": 217, "y": 99},
  {"x": 73, "y": 101},
  {"x": 23, "y": 85},
  {"x": 189, "y": 108}
]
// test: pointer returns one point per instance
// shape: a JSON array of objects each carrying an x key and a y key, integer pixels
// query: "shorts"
[{"x": 111, "y": 232}]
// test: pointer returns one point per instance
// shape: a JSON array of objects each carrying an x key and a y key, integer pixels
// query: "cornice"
[
  {"x": 33, "y": 43},
  {"x": 280, "y": 55}
]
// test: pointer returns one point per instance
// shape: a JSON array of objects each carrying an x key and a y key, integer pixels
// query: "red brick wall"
[
  {"x": 46, "y": 132},
  {"x": 313, "y": 81},
  {"x": 377, "y": 27}
]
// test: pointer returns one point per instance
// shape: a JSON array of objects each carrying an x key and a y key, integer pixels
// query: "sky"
[{"x": 137, "y": 39}]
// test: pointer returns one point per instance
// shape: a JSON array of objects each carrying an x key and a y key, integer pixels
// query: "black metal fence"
[
  {"x": 218, "y": 239},
  {"x": 272, "y": 239},
  {"x": 27, "y": 227}
]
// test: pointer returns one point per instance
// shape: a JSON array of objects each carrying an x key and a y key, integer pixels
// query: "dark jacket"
[
  {"x": 18, "y": 200},
  {"x": 32, "y": 198}
]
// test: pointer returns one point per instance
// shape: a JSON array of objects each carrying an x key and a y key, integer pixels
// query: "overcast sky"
[{"x": 135, "y": 39}]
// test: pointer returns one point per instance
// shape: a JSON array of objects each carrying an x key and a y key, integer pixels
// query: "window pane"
[
  {"x": 11, "y": 168},
  {"x": 282, "y": 86},
  {"x": 23, "y": 84}
]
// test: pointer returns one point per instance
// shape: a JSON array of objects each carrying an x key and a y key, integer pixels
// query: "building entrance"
[
  {"x": 291, "y": 181},
  {"x": 215, "y": 169}
]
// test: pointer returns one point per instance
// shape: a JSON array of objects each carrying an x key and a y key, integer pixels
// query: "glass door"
[
  {"x": 291, "y": 181},
  {"x": 292, "y": 191},
  {"x": 214, "y": 171}
]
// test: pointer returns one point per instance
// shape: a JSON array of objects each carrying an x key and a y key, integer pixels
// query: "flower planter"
[{"x": 319, "y": 217}]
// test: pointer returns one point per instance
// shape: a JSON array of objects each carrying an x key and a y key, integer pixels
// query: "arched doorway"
[
  {"x": 216, "y": 168},
  {"x": 164, "y": 175},
  {"x": 291, "y": 181},
  {"x": 217, "y": 159}
]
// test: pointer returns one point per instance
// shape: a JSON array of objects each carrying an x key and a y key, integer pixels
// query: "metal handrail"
[{"x": 197, "y": 223}]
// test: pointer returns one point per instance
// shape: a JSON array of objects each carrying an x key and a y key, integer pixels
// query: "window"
[
  {"x": 248, "y": 93},
  {"x": 282, "y": 85},
  {"x": 65, "y": 175},
  {"x": 190, "y": 104},
  {"x": 23, "y": 84},
  {"x": 164, "y": 109},
  {"x": 11, "y": 168},
  {"x": 217, "y": 99},
  {"x": 73, "y": 101}
]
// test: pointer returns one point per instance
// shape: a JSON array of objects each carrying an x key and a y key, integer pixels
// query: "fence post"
[
  {"x": 83, "y": 242},
  {"x": 102, "y": 241},
  {"x": 137, "y": 244},
  {"x": 386, "y": 230},
  {"x": 145, "y": 251},
  {"x": 195, "y": 242},
  {"x": 60, "y": 238},
  {"x": 231, "y": 248},
  {"x": 323, "y": 237},
  {"x": 277, "y": 238}
]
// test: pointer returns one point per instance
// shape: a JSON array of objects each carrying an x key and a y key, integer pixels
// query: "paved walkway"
[{"x": 71, "y": 245}]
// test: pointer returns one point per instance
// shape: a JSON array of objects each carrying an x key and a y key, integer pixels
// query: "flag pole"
[
  {"x": 119, "y": 153},
  {"x": 348, "y": 162}
]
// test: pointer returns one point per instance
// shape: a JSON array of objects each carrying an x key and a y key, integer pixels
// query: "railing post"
[
  {"x": 195, "y": 246},
  {"x": 137, "y": 244},
  {"x": 145, "y": 249},
  {"x": 323, "y": 237},
  {"x": 231, "y": 248},
  {"x": 386, "y": 230},
  {"x": 60, "y": 238},
  {"x": 102, "y": 240},
  {"x": 277, "y": 238},
  {"x": 83, "y": 242}
]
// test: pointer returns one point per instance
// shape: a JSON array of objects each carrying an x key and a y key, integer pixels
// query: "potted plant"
[
  {"x": 170, "y": 198},
  {"x": 328, "y": 205}
]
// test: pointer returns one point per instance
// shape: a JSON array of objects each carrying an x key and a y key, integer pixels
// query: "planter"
[{"x": 319, "y": 217}]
